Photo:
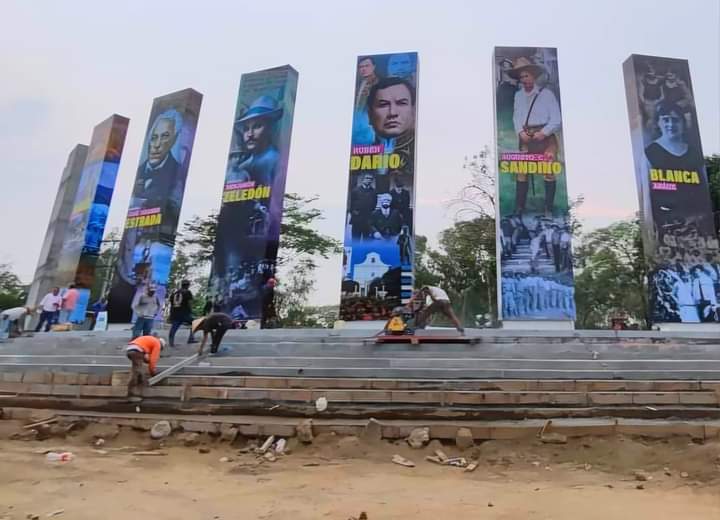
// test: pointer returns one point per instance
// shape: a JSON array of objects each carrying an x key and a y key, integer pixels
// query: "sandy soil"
[{"x": 338, "y": 477}]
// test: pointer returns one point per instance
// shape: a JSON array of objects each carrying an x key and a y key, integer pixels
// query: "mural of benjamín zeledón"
[
  {"x": 679, "y": 236},
  {"x": 148, "y": 240},
  {"x": 243, "y": 274},
  {"x": 377, "y": 270},
  {"x": 534, "y": 229}
]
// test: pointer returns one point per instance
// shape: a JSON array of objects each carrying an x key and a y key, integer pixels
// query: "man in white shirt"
[
  {"x": 536, "y": 119},
  {"x": 440, "y": 303},
  {"x": 49, "y": 309}
]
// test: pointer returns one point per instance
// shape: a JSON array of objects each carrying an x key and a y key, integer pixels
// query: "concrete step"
[
  {"x": 392, "y": 369},
  {"x": 446, "y": 429},
  {"x": 507, "y": 385},
  {"x": 426, "y": 397}
]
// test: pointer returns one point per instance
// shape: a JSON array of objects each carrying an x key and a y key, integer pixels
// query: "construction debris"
[
  {"x": 160, "y": 430},
  {"x": 642, "y": 476},
  {"x": 304, "y": 431},
  {"x": 279, "y": 446},
  {"x": 154, "y": 453},
  {"x": 551, "y": 438},
  {"x": 266, "y": 445},
  {"x": 419, "y": 437},
  {"x": 372, "y": 431},
  {"x": 190, "y": 439},
  {"x": 321, "y": 404},
  {"x": 402, "y": 461},
  {"x": 228, "y": 433},
  {"x": 464, "y": 438},
  {"x": 269, "y": 456},
  {"x": 441, "y": 455},
  {"x": 554, "y": 438},
  {"x": 50, "y": 420}
]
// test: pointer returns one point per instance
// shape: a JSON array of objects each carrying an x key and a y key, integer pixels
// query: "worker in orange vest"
[{"x": 141, "y": 350}]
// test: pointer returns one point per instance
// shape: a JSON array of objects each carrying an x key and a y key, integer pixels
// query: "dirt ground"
[{"x": 339, "y": 477}]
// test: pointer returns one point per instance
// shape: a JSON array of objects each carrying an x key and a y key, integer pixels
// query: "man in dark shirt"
[
  {"x": 401, "y": 202},
  {"x": 215, "y": 325},
  {"x": 385, "y": 221},
  {"x": 181, "y": 311},
  {"x": 363, "y": 200}
]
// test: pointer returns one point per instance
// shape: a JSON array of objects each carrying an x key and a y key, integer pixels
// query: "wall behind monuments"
[
  {"x": 679, "y": 236},
  {"x": 78, "y": 256},
  {"x": 246, "y": 246},
  {"x": 378, "y": 256},
  {"x": 45, "y": 273},
  {"x": 148, "y": 239},
  {"x": 533, "y": 229}
]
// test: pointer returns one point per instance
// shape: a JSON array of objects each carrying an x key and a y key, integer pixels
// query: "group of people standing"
[
  {"x": 57, "y": 307},
  {"x": 547, "y": 237},
  {"x": 532, "y": 295},
  {"x": 687, "y": 295}
]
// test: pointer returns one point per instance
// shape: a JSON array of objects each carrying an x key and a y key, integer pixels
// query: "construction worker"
[
  {"x": 11, "y": 320},
  {"x": 440, "y": 303},
  {"x": 214, "y": 325},
  {"x": 141, "y": 350}
]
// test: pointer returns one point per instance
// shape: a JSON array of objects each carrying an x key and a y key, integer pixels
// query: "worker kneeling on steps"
[
  {"x": 142, "y": 350},
  {"x": 215, "y": 325},
  {"x": 440, "y": 304}
]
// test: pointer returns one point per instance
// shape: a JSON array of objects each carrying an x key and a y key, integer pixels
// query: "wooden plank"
[{"x": 177, "y": 366}]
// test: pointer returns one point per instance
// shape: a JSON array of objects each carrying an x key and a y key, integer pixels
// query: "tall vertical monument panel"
[
  {"x": 148, "y": 240},
  {"x": 377, "y": 270},
  {"x": 45, "y": 273},
  {"x": 81, "y": 249},
  {"x": 248, "y": 230},
  {"x": 534, "y": 229},
  {"x": 679, "y": 236}
]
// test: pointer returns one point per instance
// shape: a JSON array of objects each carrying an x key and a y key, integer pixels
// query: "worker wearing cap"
[
  {"x": 143, "y": 349},
  {"x": 214, "y": 325}
]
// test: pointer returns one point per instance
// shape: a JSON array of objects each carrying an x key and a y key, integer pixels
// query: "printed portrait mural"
[
  {"x": 243, "y": 274},
  {"x": 379, "y": 227},
  {"x": 534, "y": 229},
  {"x": 148, "y": 240},
  {"x": 679, "y": 236}
]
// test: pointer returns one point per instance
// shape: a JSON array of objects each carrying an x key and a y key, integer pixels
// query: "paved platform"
[{"x": 491, "y": 354}]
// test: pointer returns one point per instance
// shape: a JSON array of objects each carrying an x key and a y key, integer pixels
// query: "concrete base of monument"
[
  {"x": 369, "y": 325},
  {"x": 538, "y": 325},
  {"x": 688, "y": 327}
]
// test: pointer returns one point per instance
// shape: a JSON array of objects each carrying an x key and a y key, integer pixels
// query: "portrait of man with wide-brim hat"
[
  {"x": 256, "y": 156},
  {"x": 536, "y": 120},
  {"x": 262, "y": 107},
  {"x": 523, "y": 64}
]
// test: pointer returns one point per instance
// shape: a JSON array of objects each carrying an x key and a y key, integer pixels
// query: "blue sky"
[{"x": 68, "y": 65}]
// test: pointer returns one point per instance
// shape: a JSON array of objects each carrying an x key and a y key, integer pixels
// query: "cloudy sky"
[{"x": 68, "y": 65}]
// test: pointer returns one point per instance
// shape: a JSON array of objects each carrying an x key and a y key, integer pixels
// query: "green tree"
[
  {"x": 610, "y": 276},
  {"x": 300, "y": 246},
  {"x": 105, "y": 264},
  {"x": 424, "y": 275},
  {"x": 12, "y": 291},
  {"x": 464, "y": 265}
]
